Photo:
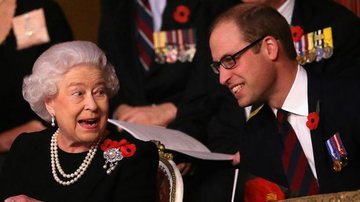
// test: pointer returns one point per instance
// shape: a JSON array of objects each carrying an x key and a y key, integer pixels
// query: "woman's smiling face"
[{"x": 80, "y": 107}]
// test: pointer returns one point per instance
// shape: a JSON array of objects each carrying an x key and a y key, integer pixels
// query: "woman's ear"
[
  {"x": 272, "y": 47},
  {"x": 49, "y": 104}
]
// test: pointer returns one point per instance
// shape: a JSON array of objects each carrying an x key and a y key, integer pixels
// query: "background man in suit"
[
  {"x": 312, "y": 16},
  {"x": 255, "y": 56},
  {"x": 152, "y": 93}
]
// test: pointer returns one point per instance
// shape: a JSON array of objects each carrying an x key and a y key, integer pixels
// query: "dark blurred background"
[{"x": 83, "y": 16}]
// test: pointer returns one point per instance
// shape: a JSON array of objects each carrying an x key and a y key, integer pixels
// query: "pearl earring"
[{"x": 52, "y": 120}]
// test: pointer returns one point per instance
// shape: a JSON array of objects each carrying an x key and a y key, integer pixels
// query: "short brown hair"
[{"x": 258, "y": 20}]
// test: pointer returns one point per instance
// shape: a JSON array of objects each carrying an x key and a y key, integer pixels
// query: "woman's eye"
[
  {"x": 100, "y": 92},
  {"x": 77, "y": 93}
]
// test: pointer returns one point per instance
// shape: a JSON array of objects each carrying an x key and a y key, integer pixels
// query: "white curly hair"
[{"x": 54, "y": 63}]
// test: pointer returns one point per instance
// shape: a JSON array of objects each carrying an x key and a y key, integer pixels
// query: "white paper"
[{"x": 172, "y": 139}]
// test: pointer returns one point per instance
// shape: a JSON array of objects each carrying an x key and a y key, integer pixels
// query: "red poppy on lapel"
[
  {"x": 312, "y": 121},
  {"x": 313, "y": 118},
  {"x": 296, "y": 33},
  {"x": 181, "y": 14},
  {"x": 123, "y": 145},
  {"x": 261, "y": 190}
]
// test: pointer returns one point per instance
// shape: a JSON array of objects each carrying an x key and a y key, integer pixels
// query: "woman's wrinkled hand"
[{"x": 21, "y": 198}]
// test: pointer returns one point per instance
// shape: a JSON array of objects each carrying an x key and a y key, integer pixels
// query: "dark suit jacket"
[
  {"x": 315, "y": 15},
  {"x": 339, "y": 112}
]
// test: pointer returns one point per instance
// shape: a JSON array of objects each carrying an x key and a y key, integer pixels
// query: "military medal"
[
  {"x": 190, "y": 41},
  {"x": 337, "y": 152},
  {"x": 319, "y": 45},
  {"x": 302, "y": 50},
  {"x": 311, "y": 55},
  {"x": 328, "y": 43},
  {"x": 337, "y": 165},
  {"x": 304, "y": 38},
  {"x": 182, "y": 56},
  {"x": 328, "y": 51},
  {"x": 298, "y": 55},
  {"x": 314, "y": 46},
  {"x": 171, "y": 50},
  {"x": 174, "y": 45},
  {"x": 159, "y": 46}
]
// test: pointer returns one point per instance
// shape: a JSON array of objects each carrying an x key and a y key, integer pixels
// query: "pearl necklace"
[{"x": 55, "y": 164}]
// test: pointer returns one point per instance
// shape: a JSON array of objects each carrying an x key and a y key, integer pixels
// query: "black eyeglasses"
[{"x": 229, "y": 61}]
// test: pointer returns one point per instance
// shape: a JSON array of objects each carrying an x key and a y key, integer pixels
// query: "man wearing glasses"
[{"x": 305, "y": 139}]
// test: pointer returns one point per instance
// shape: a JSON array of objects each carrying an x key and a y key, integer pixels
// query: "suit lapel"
[{"x": 318, "y": 137}]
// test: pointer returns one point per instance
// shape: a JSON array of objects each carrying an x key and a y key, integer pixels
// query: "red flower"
[
  {"x": 297, "y": 33},
  {"x": 107, "y": 144},
  {"x": 181, "y": 14},
  {"x": 313, "y": 121},
  {"x": 261, "y": 190},
  {"x": 123, "y": 145},
  {"x": 128, "y": 150}
]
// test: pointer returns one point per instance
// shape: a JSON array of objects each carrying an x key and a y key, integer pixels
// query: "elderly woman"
[{"x": 78, "y": 158}]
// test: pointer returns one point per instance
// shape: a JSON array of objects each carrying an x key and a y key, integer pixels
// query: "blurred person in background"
[{"x": 28, "y": 28}]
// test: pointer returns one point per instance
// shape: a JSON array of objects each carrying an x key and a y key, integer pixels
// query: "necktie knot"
[{"x": 282, "y": 116}]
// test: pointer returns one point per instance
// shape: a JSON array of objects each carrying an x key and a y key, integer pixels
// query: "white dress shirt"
[{"x": 286, "y": 10}]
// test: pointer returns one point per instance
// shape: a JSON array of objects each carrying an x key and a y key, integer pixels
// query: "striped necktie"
[
  {"x": 144, "y": 22},
  {"x": 295, "y": 164}
]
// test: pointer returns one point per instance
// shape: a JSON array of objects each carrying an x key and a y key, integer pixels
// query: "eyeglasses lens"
[{"x": 228, "y": 62}]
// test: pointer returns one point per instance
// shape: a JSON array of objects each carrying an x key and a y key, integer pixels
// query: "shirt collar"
[
  {"x": 286, "y": 10},
  {"x": 296, "y": 101},
  {"x": 157, "y": 9}
]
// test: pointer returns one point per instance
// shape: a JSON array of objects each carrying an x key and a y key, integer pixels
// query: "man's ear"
[
  {"x": 271, "y": 47},
  {"x": 49, "y": 104}
]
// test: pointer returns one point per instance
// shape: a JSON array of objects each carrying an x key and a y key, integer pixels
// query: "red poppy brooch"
[
  {"x": 296, "y": 33},
  {"x": 313, "y": 118},
  {"x": 181, "y": 14},
  {"x": 114, "y": 151}
]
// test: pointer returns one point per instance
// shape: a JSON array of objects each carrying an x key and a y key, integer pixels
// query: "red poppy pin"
[
  {"x": 297, "y": 33},
  {"x": 259, "y": 190},
  {"x": 181, "y": 14},
  {"x": 114, "y": 151},
  {"x": 313, "y": 118}
]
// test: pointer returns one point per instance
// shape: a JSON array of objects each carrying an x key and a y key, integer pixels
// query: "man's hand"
[
  {"x": 184, "y": 168},
  {"x": 160, "y": 115},
  {"x": 236, "y": 159}
]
